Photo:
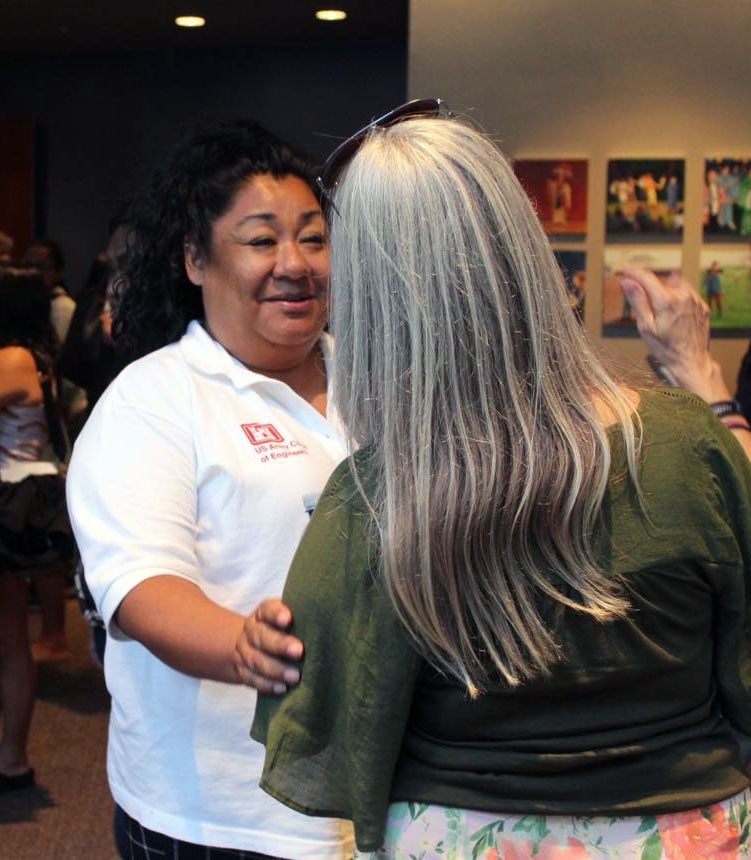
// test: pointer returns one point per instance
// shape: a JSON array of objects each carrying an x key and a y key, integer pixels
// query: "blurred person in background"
[
  {"x": 35, "y": 532},
  {"x": 46, "y": 255},
  {"x": 6, "y": 248}
]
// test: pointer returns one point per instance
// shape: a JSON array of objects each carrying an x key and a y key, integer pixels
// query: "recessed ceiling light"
[
  {"x": 331, "y": 15},
  {"x": 190, "y": 21}
]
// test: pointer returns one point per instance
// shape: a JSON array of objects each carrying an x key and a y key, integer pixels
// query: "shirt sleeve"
[
  {"x": 132, "y": 501},
  {"x": 333, "y": 741},
  {"x": 732, "y": 592}
]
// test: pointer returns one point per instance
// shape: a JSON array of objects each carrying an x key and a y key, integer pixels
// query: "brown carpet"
[{"x": 68, "y": 814}]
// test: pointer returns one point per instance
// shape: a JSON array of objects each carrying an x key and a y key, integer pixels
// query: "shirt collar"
[{"x": 209, "y": 358}]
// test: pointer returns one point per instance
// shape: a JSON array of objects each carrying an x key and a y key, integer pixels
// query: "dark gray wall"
[{"x": 103, "y": 122}]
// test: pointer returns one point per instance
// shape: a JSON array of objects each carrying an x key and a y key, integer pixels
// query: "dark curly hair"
[
  {"x": 195, "y": 187},
  {"x": 25, "y": 311}
]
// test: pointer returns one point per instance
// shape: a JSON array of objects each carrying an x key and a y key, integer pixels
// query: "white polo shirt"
[{"x": 192, "y": 465}]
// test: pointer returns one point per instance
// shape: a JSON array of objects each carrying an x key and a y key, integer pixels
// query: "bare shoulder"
[
  {"x": 19, "y": 382},
  {"x": 605, "y": 412},
  {"x": 16, "y": 358}
]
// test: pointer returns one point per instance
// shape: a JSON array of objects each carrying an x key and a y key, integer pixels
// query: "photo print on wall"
[
  {"x": 726, "y": 213},
  {"x": 726, "y": 287},
  {"x": 617, "y": 316},
  {"x": 645, "y": 200},
  {"x": 574, "y": 267},
  {"x": 558, "y": 191}
]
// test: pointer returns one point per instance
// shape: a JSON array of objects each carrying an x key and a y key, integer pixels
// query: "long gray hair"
[{"x": 461, "y": 370}]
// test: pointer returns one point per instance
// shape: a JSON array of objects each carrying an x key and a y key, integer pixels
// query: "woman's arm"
[
  {"x": 180, "y": 625},
  {"x": 673, "y": 322},
  {"x": 133, "y": 503}
]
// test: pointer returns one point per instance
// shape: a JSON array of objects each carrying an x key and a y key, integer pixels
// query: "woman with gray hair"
[{"x": 523, "y": 600}]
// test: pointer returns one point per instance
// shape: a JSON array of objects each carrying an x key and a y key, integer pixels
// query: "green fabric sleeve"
[
  {"x": 732, "y": 591},
  {"x": 332, "y": 742}
]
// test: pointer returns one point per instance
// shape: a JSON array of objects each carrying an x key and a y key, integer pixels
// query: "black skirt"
[{"x": 34, "y": 526}]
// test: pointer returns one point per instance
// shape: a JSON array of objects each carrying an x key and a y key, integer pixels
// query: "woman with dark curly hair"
[
  {"x": 34, "y": 528},
  {"x": 190, "y": 486}
]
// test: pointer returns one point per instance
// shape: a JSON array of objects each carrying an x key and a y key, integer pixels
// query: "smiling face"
[{"x": 265, "y": 280}]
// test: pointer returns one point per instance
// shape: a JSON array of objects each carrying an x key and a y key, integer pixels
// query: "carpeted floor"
[{"x": 68, "y": 815}]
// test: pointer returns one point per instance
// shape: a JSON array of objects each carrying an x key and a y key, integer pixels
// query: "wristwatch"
[{"x": 726, "y": 407}]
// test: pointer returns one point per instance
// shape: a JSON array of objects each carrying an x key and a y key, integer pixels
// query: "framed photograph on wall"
[
  {"x": 574, "y": 267},
  {"x": 617, "y": 317},
  {"x": 558, "y": 190},
  {"x": 726, "y": 212},
  {"x": 645, "y": 200},
  {"x": 726, "y": 288}
]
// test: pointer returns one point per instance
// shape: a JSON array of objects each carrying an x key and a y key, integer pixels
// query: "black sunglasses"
[{"x": 335, "y": 163}]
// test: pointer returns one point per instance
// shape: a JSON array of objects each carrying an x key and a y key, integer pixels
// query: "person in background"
[
  {"x": 188, "y": 487},
  {"x": 713, "y": 284},
  {"x": 46, "y": 255},
  {"x": 34, "y": 528},
  {"x": 6, "y": 248},
  {"x": 88, "y": 357},
  {"x": 673, "y": 321},
  {"x": 744, "y": 202},
  {"x": 524, "y": 601}
]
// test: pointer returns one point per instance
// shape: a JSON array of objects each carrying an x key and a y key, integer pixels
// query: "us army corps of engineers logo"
[{"x": 269, "y": 444}]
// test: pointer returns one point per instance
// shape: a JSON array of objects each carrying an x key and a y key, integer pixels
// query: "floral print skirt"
[{"x": 418, "y": 831}]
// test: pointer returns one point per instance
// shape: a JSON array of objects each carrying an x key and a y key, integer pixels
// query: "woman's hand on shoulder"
[{"x": 264, "y": 652}]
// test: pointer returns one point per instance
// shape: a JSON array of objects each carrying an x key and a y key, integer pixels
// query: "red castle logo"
[{"x": 262, "y": 434}]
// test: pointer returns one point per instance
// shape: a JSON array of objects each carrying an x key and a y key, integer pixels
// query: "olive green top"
[{"x": 635, "y": 719}]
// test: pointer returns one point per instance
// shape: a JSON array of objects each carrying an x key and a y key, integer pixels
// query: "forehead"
[{"x": 287, "y": 197}]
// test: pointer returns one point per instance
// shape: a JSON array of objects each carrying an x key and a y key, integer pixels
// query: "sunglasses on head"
[{"x": 340, "y": 157}]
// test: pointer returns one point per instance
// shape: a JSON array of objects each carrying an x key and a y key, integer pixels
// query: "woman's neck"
[
  {"x": 303, "y": 369},
  {"x": 307, "y": 379}
]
